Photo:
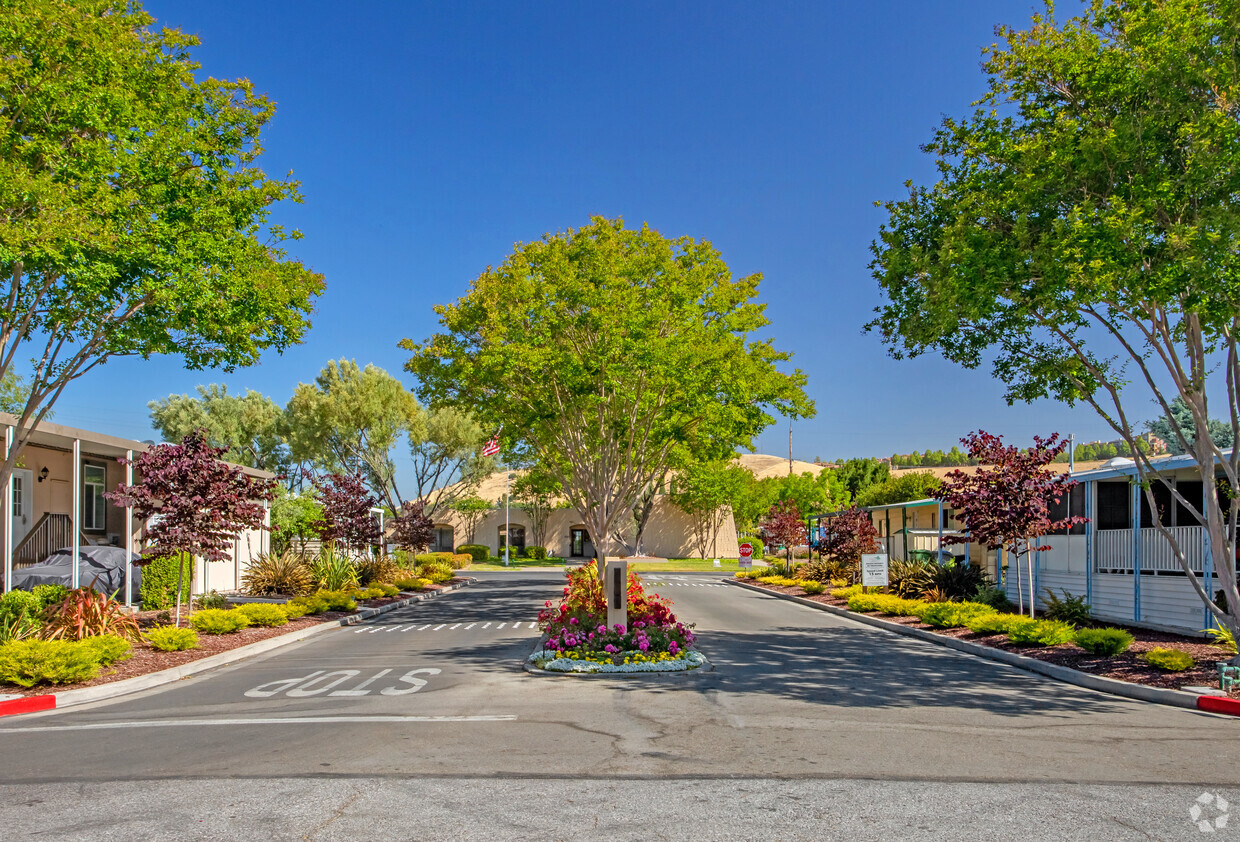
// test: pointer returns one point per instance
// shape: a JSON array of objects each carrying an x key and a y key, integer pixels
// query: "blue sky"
[{"x": 431, "y": 137}]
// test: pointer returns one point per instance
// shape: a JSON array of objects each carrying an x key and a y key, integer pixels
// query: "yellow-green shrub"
[
  {"x": 107, "y": 648},
  {"x": 337, "y": 601},
  {"x": 1171, "y": 660},
  {"x": 950, "y": 615},
  {"x": 219, "y": 621},
  {"x": 172, "y": 638},
  {"x": 1041, "y": 632},
  {"x": 263, "y": 614},
  {"x": 847, "y": 592},
  {"x": 885, "y": 604},
  {"x": 812, "y": 587},
  {"x": 30, "y": 662},
  {"x": 992, "y": 623},
  {"x": 1108, "y": 641},
  {"x": 307, "y": 605}
]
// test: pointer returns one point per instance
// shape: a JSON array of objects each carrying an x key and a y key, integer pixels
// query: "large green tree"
[
  {"x": 602, "y": 349},
  {"x": 133, "y": 217},
  {"x": 349, "y": 420},
  {"x": 447, "y": 457},
  {"x": 704, "y": 491},
  {"x": 246, "y": 426},
  {"x": 1084, "y": 233}
]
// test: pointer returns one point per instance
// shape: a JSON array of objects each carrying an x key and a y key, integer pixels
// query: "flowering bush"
[{"x": 577, "y": 626}]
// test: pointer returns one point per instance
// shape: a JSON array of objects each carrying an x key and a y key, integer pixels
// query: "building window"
[
  {"x": 94, "y": 507},
  {"x": 18, "y": 497}
]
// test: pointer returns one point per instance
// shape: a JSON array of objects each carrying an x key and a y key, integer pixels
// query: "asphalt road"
[{"x": 422, "y": 725}]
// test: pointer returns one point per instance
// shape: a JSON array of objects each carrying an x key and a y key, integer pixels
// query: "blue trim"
[
  {"x": 1207, "y": 574},
  {"x": 940, "y": 552},
  {"x": 1091, "y": 488},
  {"x": 1136, "y": 552},
  {"x": 968, "y": 551}
]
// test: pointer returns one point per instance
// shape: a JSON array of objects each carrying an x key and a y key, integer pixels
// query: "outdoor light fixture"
[{"x": 43, "y": 474}]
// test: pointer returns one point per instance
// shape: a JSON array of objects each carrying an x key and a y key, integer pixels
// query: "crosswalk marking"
[
  {"x": 438, "y": 627},
  {"x": 500, "y": 626},
  {"x": 457, "y": 626},
  {"x": 470, "y": 626}
]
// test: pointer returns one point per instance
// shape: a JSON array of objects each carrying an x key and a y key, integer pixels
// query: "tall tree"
[
  {"x": 538, "y": 494},
  {"x": 412, "y": 529},
  {"x": 784, "y": 526},
  {"x": 471, "y": 509},
  {"x": 848, "y": 536},
  {"x": 704, "y": 491},
  {"x": 859, "y": 474},
  {"x": 246, "y": 426},
  {"x": 294, "y": 520},
  {"x": 133, "y": 219},
  {"x": 1084, "y": 235},
  {"x": 1006, "y": 504},
  {"x": 602, "y": 349},
  {"x": 1179, "y": 431},
  {"x": 349, "y": 420},
  {"x": 447, "y": 457},
  {"x": 192, "y": 503}
]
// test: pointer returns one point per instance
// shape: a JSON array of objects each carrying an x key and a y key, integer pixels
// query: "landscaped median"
[
  {"x": 149, "y": 654},
  {"x": 1132, "y": 662},
  {"x": 576, "y": 638}
]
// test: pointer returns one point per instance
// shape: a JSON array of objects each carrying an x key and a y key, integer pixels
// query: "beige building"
[{"x": 55, "y": 500}]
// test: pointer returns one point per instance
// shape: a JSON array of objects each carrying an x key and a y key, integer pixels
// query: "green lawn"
[{"x": 672, "y": 565}]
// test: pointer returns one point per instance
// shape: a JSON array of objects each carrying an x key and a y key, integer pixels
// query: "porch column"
[
  {"x": 1207, "y": 575},
  {"x": 1136, "y": 552},
  {"x": 76, "y": 514},
  {"x": 1091, "y": 489},
  {"x": 940, "y": 553},
  {"x": 128, "y": 533},
  {"x": 8, "y": 515}
]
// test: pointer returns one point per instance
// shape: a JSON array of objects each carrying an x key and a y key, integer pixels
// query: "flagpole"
[{"x": 507, "y": 528}]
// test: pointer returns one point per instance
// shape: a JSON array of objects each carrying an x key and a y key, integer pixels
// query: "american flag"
[{"x": 492, "y": 446}]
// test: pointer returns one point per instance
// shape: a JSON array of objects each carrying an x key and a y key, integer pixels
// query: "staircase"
[{"x": 53, "y": 531}]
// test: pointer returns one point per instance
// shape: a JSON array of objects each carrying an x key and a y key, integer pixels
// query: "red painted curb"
[
  {"x": 28, "y": 704},
  {"x": 1219, "y": 704}
]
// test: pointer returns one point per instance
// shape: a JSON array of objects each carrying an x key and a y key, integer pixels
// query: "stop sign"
[{"x": 746, "y": 550}]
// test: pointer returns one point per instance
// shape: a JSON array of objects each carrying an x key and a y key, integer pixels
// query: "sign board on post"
[
  {"x": 746, "y": 559},
  {"x": 616, "y": 589},
  {"x": 874, "y": 570}
]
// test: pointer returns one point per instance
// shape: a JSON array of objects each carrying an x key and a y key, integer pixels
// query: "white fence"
[{"x": 1115, "y": 549}]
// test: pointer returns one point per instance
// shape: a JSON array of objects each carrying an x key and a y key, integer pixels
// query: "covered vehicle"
[{"x": 102, "y": 568}]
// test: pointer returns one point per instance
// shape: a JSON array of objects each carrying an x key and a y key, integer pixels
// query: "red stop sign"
[{"x": 746, "y": 550}]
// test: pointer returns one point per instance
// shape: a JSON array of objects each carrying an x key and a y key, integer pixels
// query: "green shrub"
[
  {"x": 811, "y": 587},
  {"x": 288, "y": 573},
  {"x": 370, "y": 593},
  {"x": 956, "y": 581},
  {"x": 435, "y": 571},
  {"x": 172, "y": 639},
  {"x": 908, "y": 579},
  {"x": 1171, "y": 660},
  {"x": 1106, "y": 641},
  {"x": 409, "y": 584},
  {"x": 846, "y": 593},
  {"x": 993, "y": 623},
  {"x": 758, "y": 547},
  {"x": 107, "y": 648},
  {"x": 536, "y": 552},
  {"x": 951, "y": 615},
  {"x": 477, "y": 551},
  {"x": 333, "y": 571},
  {"x": 1070, "y": 609},
  {"x": 377, "y": 571},
  {"x": 460, "y": 561},
  {"x": 885, "y": 604},
  {"x": 211, "y": 600},
  {"x": 30, "y": 662},
  {"x": 219, "y": 621},
  {"x": 308, "y": 604},
  {"x": 1223, "y": 638},
  {"x": 158, "y": 588},
  {"x": 264, "y": 614},
  {"x": 15, "y": 603},
  {"x": 337, "y": 601},
  {"x": 995, "y": 597},
  {"x": 388, "y": 590},
  {"x": 49, "y": 594},
  {"x": 1027, "y": 632}
]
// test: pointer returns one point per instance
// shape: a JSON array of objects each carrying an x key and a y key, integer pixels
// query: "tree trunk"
[
  {"x": 1020, "y": 583},
  {"x": 180, "y": 580},
  {"x": 1033, "y": 595}
]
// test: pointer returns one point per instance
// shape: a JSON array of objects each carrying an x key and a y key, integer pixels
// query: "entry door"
[
  {"x": 23, "y": 505},
  {"x": 581, "y": 546}
]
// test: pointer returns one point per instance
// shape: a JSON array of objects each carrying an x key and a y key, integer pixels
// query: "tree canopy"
[
  {"x": 247, "y": 426},
  {"x": 705, "y": 491},
  {"x": 602, "y": 349},
  {"x": 1084, "y": 235},
  {"x": 134, "y": 219}
]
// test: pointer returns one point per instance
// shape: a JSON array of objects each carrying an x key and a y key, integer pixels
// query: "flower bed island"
[{"x": 576, "y": 637}]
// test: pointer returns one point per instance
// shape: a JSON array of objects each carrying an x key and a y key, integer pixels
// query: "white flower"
[{"x": 552, "y": 661}]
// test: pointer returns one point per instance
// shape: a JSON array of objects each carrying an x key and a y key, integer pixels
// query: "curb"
[
  {"x": 69, "y": 698},
  {"x": 1115, "y": 687}
]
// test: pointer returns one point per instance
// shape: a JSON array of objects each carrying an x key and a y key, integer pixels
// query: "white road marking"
[
  {"x": 438, "y": 627},
  {"x": 500, "y": 626},
  {"x": 457, "y": 626},
  {"x": 424, "y": 628},
  {"x": 487, "y": 626},
  {"x": 470, "y": 626},
  {"x": 289, "y": 720}
]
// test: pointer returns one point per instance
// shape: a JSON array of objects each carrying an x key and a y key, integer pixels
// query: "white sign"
[{"x": 874, "y": 570}]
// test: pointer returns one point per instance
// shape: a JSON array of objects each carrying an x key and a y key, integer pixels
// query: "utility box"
[{"x": 616, "y": 589}]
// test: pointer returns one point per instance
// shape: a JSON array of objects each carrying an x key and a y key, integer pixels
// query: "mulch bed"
[
  {"x": 144, "y": 659},
  {"x": 1125, "y": 667}
]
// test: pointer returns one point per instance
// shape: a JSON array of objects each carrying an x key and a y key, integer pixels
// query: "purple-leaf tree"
[
  {"x": 192, "y": 502},
  {"x": 412, "y": 529},
  {"x": 1006, "y": 504},
  {"x": 848, "y": 536},
  {"x": 347, "y": 520},
  {"x": 783, "y": 525}
]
